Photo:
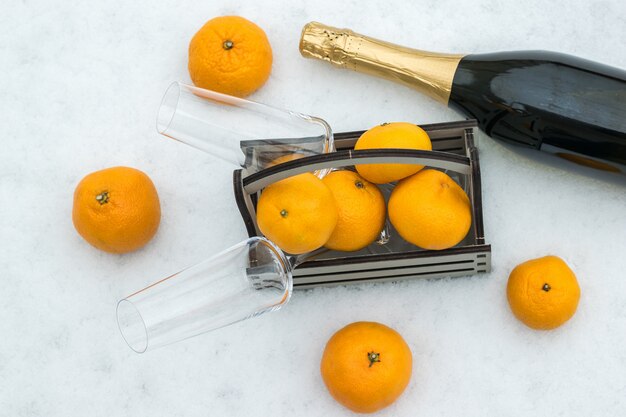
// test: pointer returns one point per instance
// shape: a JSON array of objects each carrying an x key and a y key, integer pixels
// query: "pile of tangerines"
[
  {"x": 366, "y": 366},
  {"x": 346, "y": 210}
]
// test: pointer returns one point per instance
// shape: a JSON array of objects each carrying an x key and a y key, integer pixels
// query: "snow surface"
[{"x": 79, "y": 87}]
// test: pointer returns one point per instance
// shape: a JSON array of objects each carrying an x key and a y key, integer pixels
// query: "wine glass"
[
  {"x": 249, "y": 134},
  {"x": 248, "y": 279}
]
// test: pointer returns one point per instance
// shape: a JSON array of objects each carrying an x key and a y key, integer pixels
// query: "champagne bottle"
[{"x": 542, "y": 100}]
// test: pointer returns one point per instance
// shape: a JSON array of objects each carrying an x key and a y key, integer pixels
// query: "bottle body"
[
  {"x": 542, "y": 100},
  {"x": 554, "y": 102}
]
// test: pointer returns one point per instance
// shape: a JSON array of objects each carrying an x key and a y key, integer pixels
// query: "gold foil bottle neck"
[
  {"x": 326, "y": 43},
  {"x": 428, "y": 72}
]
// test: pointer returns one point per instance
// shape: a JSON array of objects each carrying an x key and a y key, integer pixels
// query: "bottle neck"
[{"x": 430, "y": 73}]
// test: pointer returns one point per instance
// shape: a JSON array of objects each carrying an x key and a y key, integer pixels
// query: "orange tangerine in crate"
[{"x": 434, "y": 225}]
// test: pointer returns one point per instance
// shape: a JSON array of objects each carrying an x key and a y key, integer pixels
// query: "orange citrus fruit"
[
  {"x": 298, "y": 213},
  {"x": 117, "y": 209},
  {"x": 361, "y": 208},
  {"x": 366, "y": 366},
  {"x": 231, "y": 55},
  {"x": 430, "y": 210},
  {"x": 391, "y": 135},
  {"x": 543, "y": 293}
]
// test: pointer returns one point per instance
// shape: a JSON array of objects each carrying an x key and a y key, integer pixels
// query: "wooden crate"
[{"x": 453, "y": 152}]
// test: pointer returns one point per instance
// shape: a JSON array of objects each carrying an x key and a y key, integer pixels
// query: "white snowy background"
[{"x": 80, "y": 83}]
